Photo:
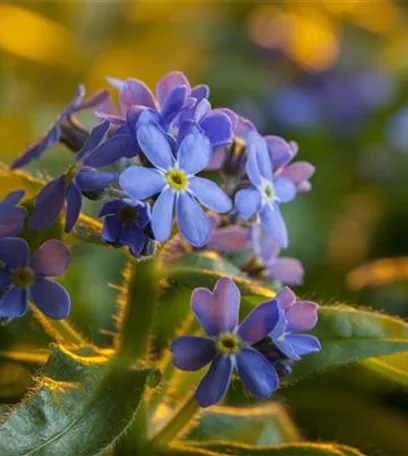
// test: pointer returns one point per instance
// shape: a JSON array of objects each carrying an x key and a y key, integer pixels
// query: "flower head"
[
  {"x": 266, "y": 192},
  {"x": 296, "y": 318},
  {"x": 39, "y": 146},
  {"x": 228, "y": 345},
  {"x": 124, "y": 223},
  {"x": 78, "y": 178},
  {"x": 12, "y": 216},
  {"x": 174, "y": 178},
  {"x": 22, "y": 278}
]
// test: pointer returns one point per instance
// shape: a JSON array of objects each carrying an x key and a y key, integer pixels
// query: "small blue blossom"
[
  {"x": 267, "y": 191},
  {"x": 124, "y": 223},
  {"x": 228, "y": 346},
  {"x": 174, "y": 178},
  {"x": 22, "y": 278},
  {"x": 296, "y": 318},
  {"x": 12, "y": 216},
  {"x": 39, "y": 146},
  {"x": 78, "y": 178}
]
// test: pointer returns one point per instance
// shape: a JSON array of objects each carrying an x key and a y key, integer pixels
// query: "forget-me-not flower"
[
  {"x": 12, "y": 216},
  {"x": 228, "y": 345},
  {"x": 39, "y": 146},
  {"x": 267, "y": 191},
  {"x": 174, "y": 178},
  {"x": 22, "y": 278}
]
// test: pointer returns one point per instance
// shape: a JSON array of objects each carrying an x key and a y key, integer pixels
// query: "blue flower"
[
  {"x": 12, "y": 216},
  {"x": 267, "y": 191},
  {"x": 39, "y": 146},
  {"x": 22, "y": 278},
  {"x": 125, "y": 222},
  {"x": 68, "y": 187},
  {"x": 284, "y": 269},
  {"x": 228, "y": 345},
  {"x": 174, "y": 178},
  {"x": 296, "y": 318}
]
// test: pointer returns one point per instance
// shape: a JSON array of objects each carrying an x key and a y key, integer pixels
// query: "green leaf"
[
  {"x": 393, "y": 367},
  {"x": 262, "y": 425},
  {"x": 349, "y": 335},
  {"x": 82, "y": 405}
]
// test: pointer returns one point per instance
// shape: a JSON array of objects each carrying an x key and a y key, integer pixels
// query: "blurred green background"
[{"x": 331, "y": 75}]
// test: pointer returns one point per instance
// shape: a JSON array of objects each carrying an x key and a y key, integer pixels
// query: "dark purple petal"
[
  {"x": 74, "y": 204},
  {"x": 210, "y": 195},
  {"x": 273, "y": 223},
  {"x": 133, "y": 237},
  {"x": 5, "y": 278},
  {"x": 96, "y": 136},
  {"x": 298, "y": 172},
  {"x": 191, "y": 353},
  {"x": 155, "y": 145},
  {"x": 194, "y": 153},
  {"x": 301, "y": 316},
  {"x": 303, "y": 344},
  {"x": 14, "y": 303},
  {"x": 285, "y": 189},
  {"x": 217, "y": 311},
  {"x": 89, "y": 179},
  {"x": 49, "y": 204},
  {"x": 162, "y": 215},
  {"x": 199, "y": 92},
  {"x": 287, "y": 270},
  {"x": 10, "y": 201},
  {"x": 257, "y": 373},
  {"x": 247, "y": 202},
  {"x": 110, "y": 151},
  {"x": 233, "y": 117},
  {"x": 110, "y": 207},
  {"x": 167, "y": 83},
  {"x": 214, "y": 385},
  {"x": 174, "y": 102},
  {"x": 217, "y": 126},
  {"x": 260, "y": 322},
  {"x": 12, "y": 223},
  {"x": 51, "y": 298},
  {"x": 134, "y": 92},
  {"x": 279, "y": 151},
  {"x": 51, "y": 259},
  {"x": 285, "y": 298},
  {"x": 193, "y": 223},
  {"x": 111, "y": 229},
  {"x": 14, "y": 252},
  {"x": 229, "y": 239},
  {"x": 140, "y": 182},
  {"x": 256, "y": 146}
]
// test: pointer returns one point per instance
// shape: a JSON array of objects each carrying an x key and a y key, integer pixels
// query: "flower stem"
[{"x": 177, "y": 423}]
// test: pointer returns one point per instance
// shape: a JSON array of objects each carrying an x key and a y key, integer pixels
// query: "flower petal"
[
  {"x": 273, "y": 223},
  {"x": 5, "y": 278},
  {"x": 14, "y": 252},
  {"x": 162, "y": 215},
  {"x": 13, "y": 222},
  {"x": 252, "y": 168},
  {"x": 298, "y": 171},
  {"x": 89, "y": 179},
  {"x": 95, "y": 137},
  {"x": 256, "y": 145},
  {"x": 51, "y": 298},
  {"x": 111, "y": 229},
  {"x": 303, "y": 344},
  {"x": 301, "y": 316},
  {"x": 134, "y": 238},
  {"x": 110, "y": 207},
  {"x": 287, "y": 270},
  {"x": 214, "y": 385},
  {"x": 247, "y": 202},
  {"x": 140, "y": 182},
  {"x": 14, "y": 303},
  {"x": 51, "y": 259},
  {"x": 174, "y": 102},
  {"x": 167, "y": 83},
  {"x": 110, "y": 151},
  {"x": 263, "y": 246},
  {"x": 286, "y": 347},
  {"x": 74, "y": 205},
  {"x": 285, "y": 298},
  {"x": 257, "y": 373},
  {"x": 260, "y": 322},
  {"x": 191, "y": 353},
  {"x": 217, "y": 311},
  {"x": 279, "y": 151},
  {"x": 193, "y": 223},
  {"x": 48, "y": 205},
  {"x": 285, "y": 189},
  {"x": 10, "y": 201},
  {"x": 135, "y": 92},
  {"x": 200, "y": 91},
  {"x": 155, "y": 145},
  {"x": 217, "y": 126},
  {"x": 229, "y": 239},
  {"x": 194, "y": 153},
  {"x": 210, "y": 195}
]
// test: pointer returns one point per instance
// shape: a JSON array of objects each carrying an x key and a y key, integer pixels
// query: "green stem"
[{"x": 177, "y": 423}]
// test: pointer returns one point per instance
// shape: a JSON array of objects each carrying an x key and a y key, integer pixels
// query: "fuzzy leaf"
[
  {"x": 393, "y": 367},
  {"x": 81, "y": 406}
]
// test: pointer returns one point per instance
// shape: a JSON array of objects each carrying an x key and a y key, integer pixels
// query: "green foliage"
[{"x": 80, "y": 407}]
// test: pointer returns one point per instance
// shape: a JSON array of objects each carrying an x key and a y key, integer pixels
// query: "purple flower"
[
  {"x": 267, "y": 191},
  {"x": 12, "y": 216},
  {"x": 228, "y": 239},
  {"x": 68, "y": 187},
  {"x": 228, "y": 345},
  {"x": 22, "y": 278},
  {"x": 174, "y": 178},
  {"x": 296, "y": 318},
  {"x": 39, "y": 146},
  {"x": 286, "y": 270},
  {"x": 125, "y": 222}
]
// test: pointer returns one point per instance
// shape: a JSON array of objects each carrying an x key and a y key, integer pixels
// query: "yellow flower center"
[
  {"x": 127, "y": 215},
  {"x": 177, "y": 179},
  {"x": 22, "y": 277},
  {"x": 228, "y": 344}
]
